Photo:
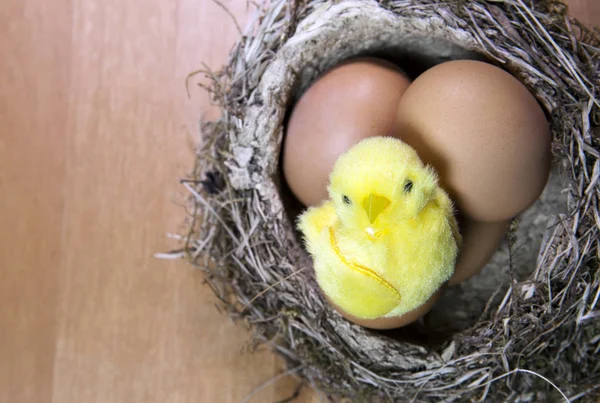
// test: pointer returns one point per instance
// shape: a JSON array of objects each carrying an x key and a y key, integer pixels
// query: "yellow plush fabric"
[{"x": 386, "y": 239}]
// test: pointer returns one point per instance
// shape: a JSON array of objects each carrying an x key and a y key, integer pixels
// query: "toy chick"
[{"x": 386, "y": 240}]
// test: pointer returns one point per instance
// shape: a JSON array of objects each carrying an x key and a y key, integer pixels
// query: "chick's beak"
[{"x": 374, "y": 205}]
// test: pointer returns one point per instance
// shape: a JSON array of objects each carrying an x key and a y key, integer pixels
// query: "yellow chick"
[{"x": 387, "y": 239}]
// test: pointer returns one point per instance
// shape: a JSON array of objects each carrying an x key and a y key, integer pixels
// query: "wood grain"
[
  {"x": 95, "y": 129},
  {"x": 95, "y": 132}
]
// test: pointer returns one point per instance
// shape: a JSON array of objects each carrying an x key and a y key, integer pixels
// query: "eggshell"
[
  {"x": 483, "y": 132},
  {"x": 353, "y": 101},
  {"x": 480, "y": 241}
]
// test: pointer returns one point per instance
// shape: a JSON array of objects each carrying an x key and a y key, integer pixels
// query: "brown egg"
[
  {"x": 483, "y": 132},
  {"x": 480, "y": 241},
  {"x": 396, "y": 321},
  {"x": 353, "y": 101}
]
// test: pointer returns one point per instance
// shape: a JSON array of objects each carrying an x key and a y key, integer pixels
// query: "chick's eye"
[
  {"x": 346, "y": 199},
  {"x": 408, "y": 185}
]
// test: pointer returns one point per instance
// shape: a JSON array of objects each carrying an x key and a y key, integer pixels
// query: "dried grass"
[{"x": 541, "y": 336}]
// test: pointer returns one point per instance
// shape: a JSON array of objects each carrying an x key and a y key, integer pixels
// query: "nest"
[{"x": 528, "y": 327}]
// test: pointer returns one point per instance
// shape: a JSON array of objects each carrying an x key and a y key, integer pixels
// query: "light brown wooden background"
[{"x": 95, "y": 130}]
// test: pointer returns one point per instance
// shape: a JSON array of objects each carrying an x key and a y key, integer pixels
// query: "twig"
[{"x": 270, "y": 382}]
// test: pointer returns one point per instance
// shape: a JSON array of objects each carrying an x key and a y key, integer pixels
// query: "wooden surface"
[{"x": 95, "y": 129}]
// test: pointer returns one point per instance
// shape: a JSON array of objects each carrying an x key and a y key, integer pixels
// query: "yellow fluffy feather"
[{"x": 386, "y": 239}]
